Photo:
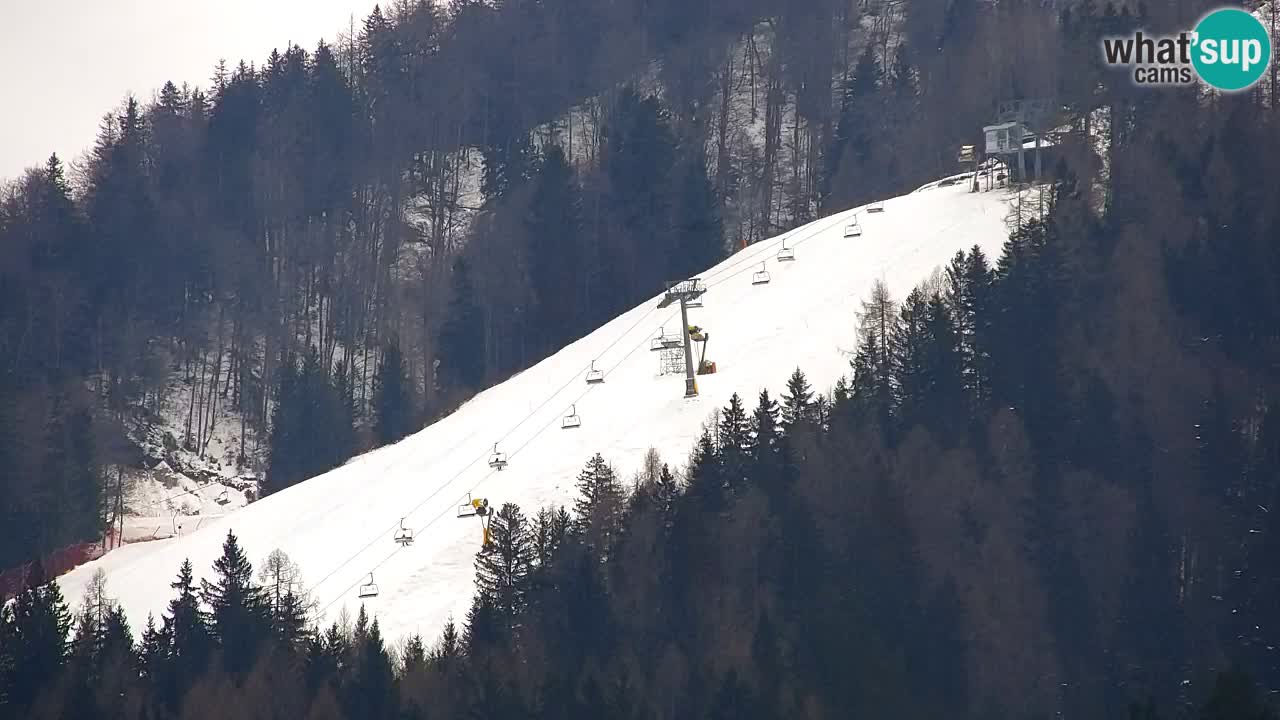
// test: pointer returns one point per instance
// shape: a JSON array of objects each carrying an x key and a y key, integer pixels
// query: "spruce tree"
[
  {"x": 414, "y": 657},
  {"x": 733, "y": 442},
  {"x": 699, "y": 231},
  {"x": 286, "y": 445},
  {"x": 37, "y": 641},
  {"x": 392, "y": 397},
  {"x": 504, "y": 570},
  {"x": 240, "y": 614},
  {"x": 850, "y": 148},
  {"x": 598, "y": 508},
  {"x": 462, "y": 346},
  {"x": 370, "y": 692},
  {"x": 187, "y": 637},
  {"x": 706, "y": 476},
  {"x": 555, "y": 251},
  {"x": 796, "y": 401},
  {"x": 448, "y": 649}
]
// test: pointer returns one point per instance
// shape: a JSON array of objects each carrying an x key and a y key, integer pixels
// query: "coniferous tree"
[
  {"x": 462, "y": 348},
  {"x": 850, "y": 148},
  {"x": 189, "y": 639},
  {"x": 599, "y": 506},
  {"x": 504, "y": 570},
  {"x": 448, "y": 649},
  {"x": 37, "y": 640},
  {"x": 706, "y": 477},
  {"x": 287, "y": 431},
  {"x": 699, "y": 231},
  {"x": 733, "y": 440},
  {"x": 797, "y": 401},
  {"x": 555, "y": 251},
  {"x": 239, "y": 613},
  {"x": 371, "y": 690},
  {"x": 392, "y": 397}
]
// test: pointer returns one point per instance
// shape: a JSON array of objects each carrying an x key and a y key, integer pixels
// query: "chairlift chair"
[
  {"x": 369, "y": 589},
  {"x": 594, "y": 376},
  {"x": 786, "y": 254},
  {"x": 571, "y": 420},
  {"x": 223, "y": 498},
  {"x": 497, "y": 460},
  {"x": 466, "y": 509},
  {"x": 853, "y": 229},
  {"x": 404, "y": 536},
  {"x": 876, "y": 207},
  {"x": 666, "y": 342},
  {"x": 761, "y": 277}
]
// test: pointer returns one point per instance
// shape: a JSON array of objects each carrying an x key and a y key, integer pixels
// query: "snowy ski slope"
[{"x": 339, "y": 526}]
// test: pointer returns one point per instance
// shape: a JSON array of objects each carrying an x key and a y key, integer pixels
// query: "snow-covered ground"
[{"x": 339, "y": 526}]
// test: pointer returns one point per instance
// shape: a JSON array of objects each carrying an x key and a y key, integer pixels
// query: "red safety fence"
[{"x": 54, "y": 564}]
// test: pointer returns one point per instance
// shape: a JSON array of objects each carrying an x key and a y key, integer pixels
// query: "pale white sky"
[{"x": 64, "y": 63}]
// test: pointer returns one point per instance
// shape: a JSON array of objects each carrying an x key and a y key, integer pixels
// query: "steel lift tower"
[{"x": 683, "y": 292}]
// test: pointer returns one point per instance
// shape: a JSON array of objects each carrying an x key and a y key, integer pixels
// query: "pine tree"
[
  {"x": 392, "y": 397},
  {"x": 504, "y": 570},
  {"x": 240, "y": 614}
]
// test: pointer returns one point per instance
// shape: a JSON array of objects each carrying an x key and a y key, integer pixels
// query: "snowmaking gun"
[{"x": 697, "y": 335}]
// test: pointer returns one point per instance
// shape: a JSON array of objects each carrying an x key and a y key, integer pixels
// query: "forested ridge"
[{"x": 1046, "y": 485}]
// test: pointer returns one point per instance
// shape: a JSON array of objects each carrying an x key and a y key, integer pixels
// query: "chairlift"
[
  {"x": 853, "y": 229},
  {"x": 497, "y": 460},
  {"x": 571, "y": 420},
  {"x": 666, "y": 342},
  {"x": 761, "y": 277},
  {"x": 467, "y": 509},
  {"x": 369, "y": 589},
  {"x": 404, "y": 536},
  {"x": 594, "y": 376},
  {"x": 876, "y": 207},
  {"x": 786, "y": 254},
  {"x": 223, "y": 498}
]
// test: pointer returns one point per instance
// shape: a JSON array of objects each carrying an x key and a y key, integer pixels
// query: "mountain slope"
[{"x": 339, "y": 526}]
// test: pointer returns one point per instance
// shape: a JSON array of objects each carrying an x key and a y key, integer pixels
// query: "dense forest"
[{"x": 1046, "y": 485}]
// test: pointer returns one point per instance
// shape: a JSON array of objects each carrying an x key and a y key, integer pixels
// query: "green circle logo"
[{"x": 1232, "y": 49}]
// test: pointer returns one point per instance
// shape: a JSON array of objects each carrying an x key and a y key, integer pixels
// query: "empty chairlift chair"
[
  {"x": 666, "y": 342},
  {"x": 761, "y": 277},
  {"x": 876, "y": 207},
  {"x": 853, "y": 229},
  {"x": 223, "y": 498},
  {"x": 404, "y": 536},
  {"x": 594, "y": 376},
  {"x": 467, "y": 509},
  {"x": 786, "y": 254},
  {"x": 571, "y": 420},
  {"x": 497, "y": 460},
  {"x": 368, "y": 589}
]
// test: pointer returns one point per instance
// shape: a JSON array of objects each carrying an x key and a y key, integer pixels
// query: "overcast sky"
[{"x": 64, "y": 63}]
